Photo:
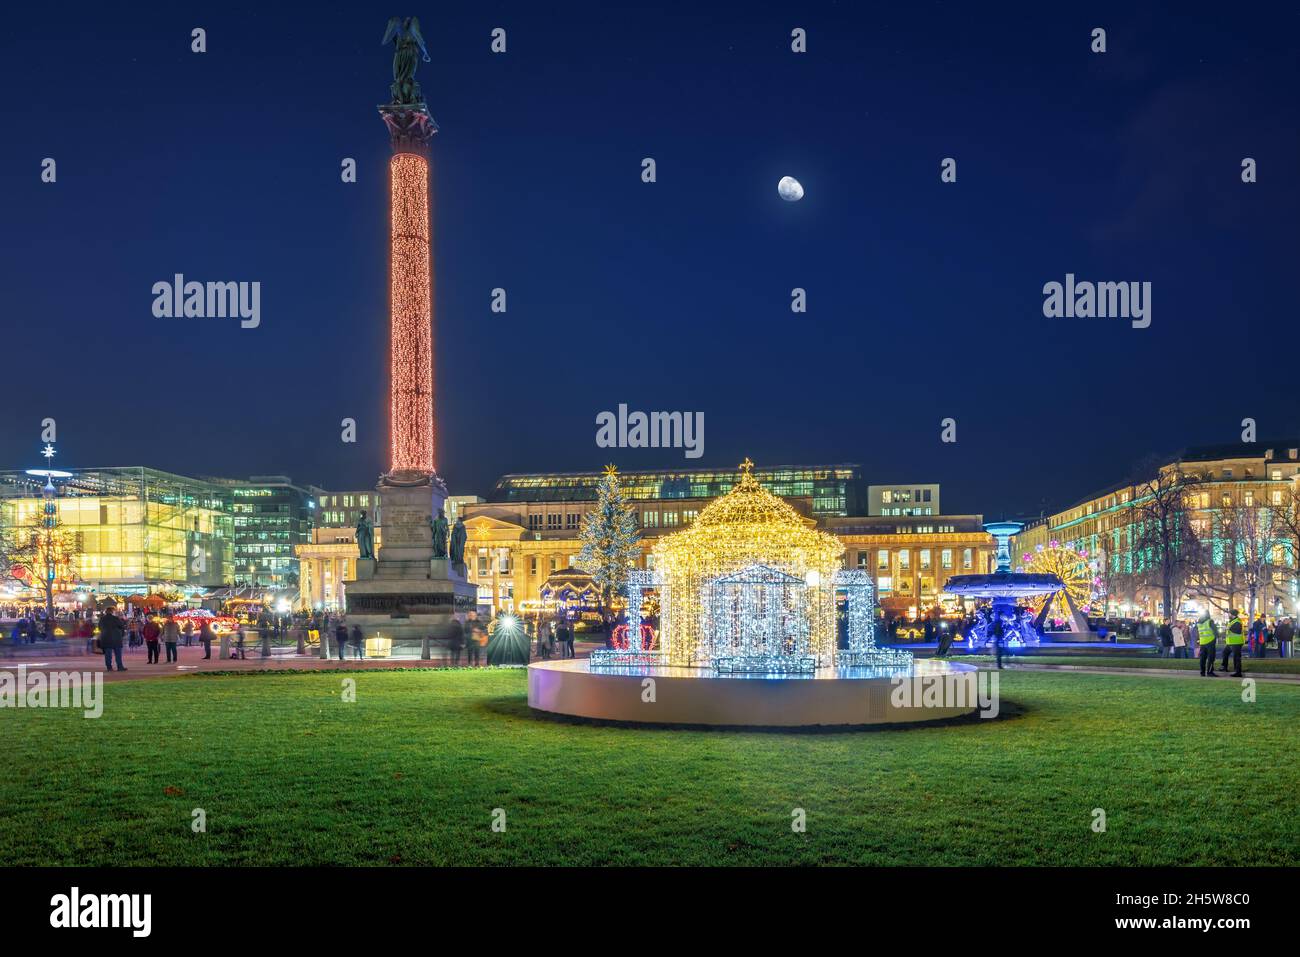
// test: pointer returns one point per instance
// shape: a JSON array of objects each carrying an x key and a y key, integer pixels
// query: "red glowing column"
[
  {"x": 410, "y": 130},
  {"x": 411, "y": 309}
]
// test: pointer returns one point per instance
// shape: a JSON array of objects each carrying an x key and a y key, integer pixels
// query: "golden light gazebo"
[{"x": 748, "y": 586}]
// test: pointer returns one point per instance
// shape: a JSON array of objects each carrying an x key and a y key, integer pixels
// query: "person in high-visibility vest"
[
  {"x": 1233, "y": 640},
  {"x": 1206, "y": 635}
]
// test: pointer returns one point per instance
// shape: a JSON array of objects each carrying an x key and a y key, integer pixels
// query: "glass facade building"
[
  {"x": 139, "y": 527},
  {"x": 830, "y": 489},
  {"x": 271, "y": 516},
  {"x": 133, "y": 526}
]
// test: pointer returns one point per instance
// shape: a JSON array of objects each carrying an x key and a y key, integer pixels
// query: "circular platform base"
[{"x": 925, "y": 691}]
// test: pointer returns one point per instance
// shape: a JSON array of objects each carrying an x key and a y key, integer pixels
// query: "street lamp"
[{"x": 48, "y": 494}]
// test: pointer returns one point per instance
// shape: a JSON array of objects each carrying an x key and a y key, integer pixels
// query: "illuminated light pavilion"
[
  {"x": 748, "y": 633},
  {"x": 749, "y": 585}
]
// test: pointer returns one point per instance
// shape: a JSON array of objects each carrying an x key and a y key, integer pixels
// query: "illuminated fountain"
[
  {"x": 1003, "y": 586},
  {"x": 748, "y": 632}
]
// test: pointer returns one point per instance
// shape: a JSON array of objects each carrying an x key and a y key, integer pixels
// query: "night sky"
[{"x": 925, "y": 299}]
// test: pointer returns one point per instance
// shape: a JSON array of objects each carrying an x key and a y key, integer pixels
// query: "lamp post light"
[{"x": 48, "y": 522}]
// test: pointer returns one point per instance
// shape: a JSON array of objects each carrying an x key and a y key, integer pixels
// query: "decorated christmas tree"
[{"x": 609, "y": 540}]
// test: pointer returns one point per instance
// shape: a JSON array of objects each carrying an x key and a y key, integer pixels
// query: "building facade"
[
  {"x": 344, "y": 509},
  {"x": 1233, "y": 547},
  {"x": 271, "y": 516},
  {"x": 324, "y": 565},
  {"x": 821, "y": 489},
  {"x": 528, "y": 545},
  {"x": 911, "y": 558},
  {"x": 135, "y": 528},
  {"x": 328, "y": 559},
  {"x": 903, "y": 500}
]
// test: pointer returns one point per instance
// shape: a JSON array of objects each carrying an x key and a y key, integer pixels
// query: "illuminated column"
[{"x": 410, "y": 286}]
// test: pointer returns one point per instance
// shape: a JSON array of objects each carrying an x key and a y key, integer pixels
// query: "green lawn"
[
  {"x": 1271, "y": 666},
  {"x": 289, "y": 774}
]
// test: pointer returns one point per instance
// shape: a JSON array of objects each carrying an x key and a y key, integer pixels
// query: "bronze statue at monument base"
[{"x": 408, "y": 591}]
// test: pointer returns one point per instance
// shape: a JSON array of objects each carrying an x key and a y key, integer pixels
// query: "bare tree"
[
  {"x": 1284, "y": 514},
  {"x": 1256, "y": 541},
  {"x": 1237, "y": 558},
  {"x": 40, "y": 557},
  {"x": 1162, "y": 534}
]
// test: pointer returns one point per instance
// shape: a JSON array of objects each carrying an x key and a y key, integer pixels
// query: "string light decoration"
[
  {"x": 621, "y": 637},
  {"x": 860, "y": 624},
  {"x": 749, "y": 585},
  {"x": 410, "y": 290},
  {"x": 622, "y": 656},
  {"x": 1075, "y": 570}
]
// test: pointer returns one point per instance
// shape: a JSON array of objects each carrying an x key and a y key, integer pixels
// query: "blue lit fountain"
[{"x": 1003, "y": 586}]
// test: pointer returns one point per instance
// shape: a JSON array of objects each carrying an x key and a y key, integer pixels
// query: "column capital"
[{"x": 410, "y": 127}]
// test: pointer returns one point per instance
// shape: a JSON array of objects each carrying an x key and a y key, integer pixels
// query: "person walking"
[
  {"x": 455, "y": 641},
  {"x": 188, "y": 633},
  {"x": 205, "y": 638},
  {"x": 562, "y": 636},
  {"x": 86, "y": 631},
  {"x": 1256, "y": 637},
  {"x": 945, "y": 643},
  {"x": 570, "y": 634},
  {"x": 171, "y": 634},
  {"x": 475, "y": 639},
  {"x": 1180, "y": 636},
  {"x": 152, "y": 634},
  {"x": 239, "y": 642},
  {"x": 341, "y": 638},
  {"x": 1284, "y": 633},
  {"x": 111, "y": 630},
  {"x": 358, "y": 641},
  {"x": 544, "y": 640},
  {"x": 1166, "y": 640},
  {"x": 1233, "y": 640}
]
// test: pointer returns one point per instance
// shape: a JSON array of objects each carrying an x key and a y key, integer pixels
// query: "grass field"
[
  {"x": 1266, "y": 666},
  {"x": 410, "y": 774}
]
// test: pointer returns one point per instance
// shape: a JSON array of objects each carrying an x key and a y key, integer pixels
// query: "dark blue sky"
[{"x": 672, "y": 296}]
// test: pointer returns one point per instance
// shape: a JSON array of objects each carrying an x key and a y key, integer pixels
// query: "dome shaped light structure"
[{"x": 749, "y": 586}]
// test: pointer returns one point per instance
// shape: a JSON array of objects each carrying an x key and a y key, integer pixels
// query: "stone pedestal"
[{"x": 407, "y": 595}]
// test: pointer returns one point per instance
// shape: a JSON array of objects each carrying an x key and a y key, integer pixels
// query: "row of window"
[
  {"x": 924, "y": 556},
  {"x": 345, "y": 501},
  {"x": 571, "y": 521},
  {"x": 906, "y": 495}
]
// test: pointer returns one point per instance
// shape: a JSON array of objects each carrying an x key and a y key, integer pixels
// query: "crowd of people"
[
  {"x": 155, "y": 633},
  {"x": 160, "y": 633},
  {"x": 553, "y": 635}
]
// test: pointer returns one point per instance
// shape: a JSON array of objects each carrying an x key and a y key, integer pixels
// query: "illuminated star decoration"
[{"x": 48, "y": 452}]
